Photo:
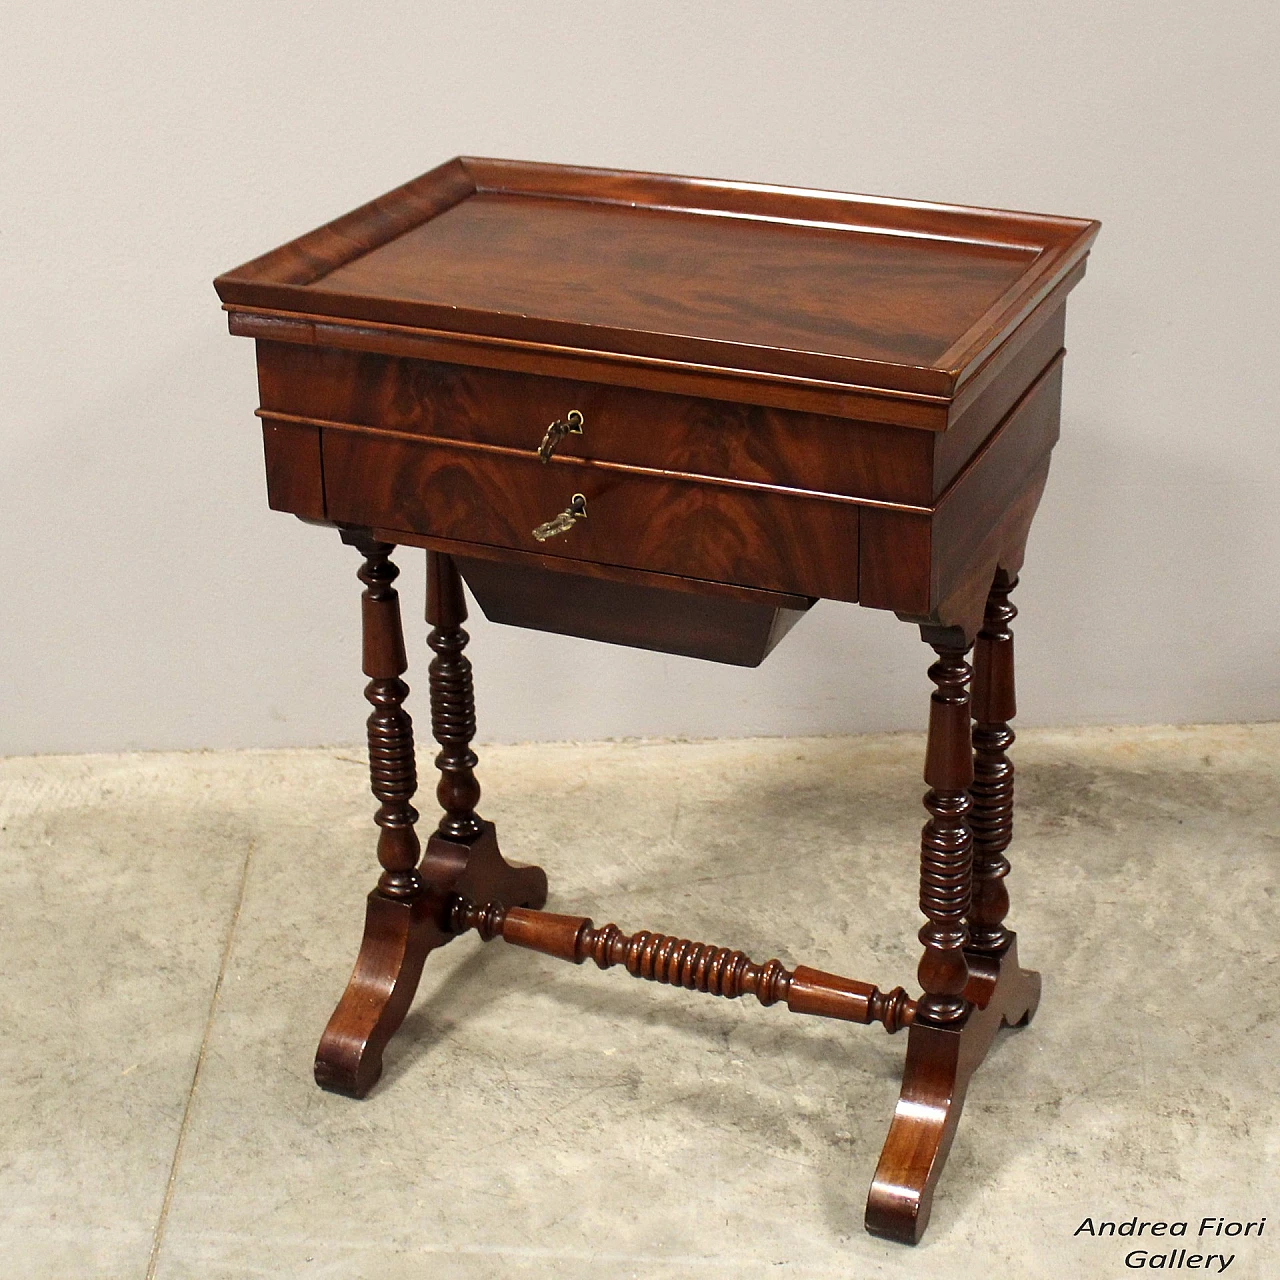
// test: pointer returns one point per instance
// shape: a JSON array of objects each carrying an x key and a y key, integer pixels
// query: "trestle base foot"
[
  {"x": 399, "y": 934},
  {"x": 940, "y": 1063}
]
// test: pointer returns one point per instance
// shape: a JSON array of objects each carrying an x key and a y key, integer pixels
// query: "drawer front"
[
  {"x": 651, "y": 429},
  {"x": 776, "y": 541}
]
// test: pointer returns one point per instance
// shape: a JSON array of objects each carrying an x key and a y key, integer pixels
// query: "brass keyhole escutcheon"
[
  {"x": 571, "y": 425},
  {"x": 576, "y": 510}
]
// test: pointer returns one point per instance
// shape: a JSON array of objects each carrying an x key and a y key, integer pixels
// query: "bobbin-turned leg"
[
  {"x": 934, "y": 1076},
  {"x": 400, "y": 928},
  {"x": 462, "y": 857},
  {"x": 969, "y": 992},
  {"x": 994, "y": 705},
  {"x": 405, "y": 912}
]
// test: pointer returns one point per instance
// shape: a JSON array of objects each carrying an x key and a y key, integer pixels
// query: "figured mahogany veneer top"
[
  {"x": 842, "y": 292},
  {"x": 894, "y": 295}
]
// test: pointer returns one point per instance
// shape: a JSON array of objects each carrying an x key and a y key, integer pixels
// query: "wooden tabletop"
[{"x": 896, "y": 295}]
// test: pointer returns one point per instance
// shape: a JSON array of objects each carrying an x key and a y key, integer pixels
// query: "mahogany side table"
[{"x": 674, "y": 413}]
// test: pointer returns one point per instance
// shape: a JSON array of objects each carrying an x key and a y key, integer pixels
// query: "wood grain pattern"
[
  {"x": 630, "y": 271},
  {"x": 959, "y": 615},
  {"x": 873, "y": 460},
  {"x": 788, "y": 395},
  {"x": 772, "y": 201},
  {"x": 471, "y": 551},
  {"x": 999, "y": 397},
  {"x": 743, "y": 386},
  {"x": 314, "y": 255},
  {"x": 994, "y": 478},
  {"x": 865, "y": 292},
  {"x": 399, "y": 935},
  {"x": 671, "y": 433},
  {"x": 779, "y": 542},
  {"x": 913, "y": 562},
  {"x": 295, "y": 483}
]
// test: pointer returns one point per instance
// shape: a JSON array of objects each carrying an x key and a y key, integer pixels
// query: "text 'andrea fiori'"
[{"x": 1211, "y": 1231}]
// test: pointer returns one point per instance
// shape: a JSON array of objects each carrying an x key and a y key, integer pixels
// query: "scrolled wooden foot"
[
  {"x": 399, "y": 934},
  {"x": 940, "y": 1063},
  {"x": 398, "y": 937}
]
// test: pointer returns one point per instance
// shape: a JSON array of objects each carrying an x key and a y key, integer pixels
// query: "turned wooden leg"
[
  {"x": 929, "y": 1106},
  {"x": 994, "y": 705},
  {"x": 970, "y": 990},
  {"x": 399, "y": 928},
  {"x": 404, "y": 917},
  {"x": 946, "y": 845},
  {"x": 453, "y": 701},
  {"x": 462, "y": 857}
]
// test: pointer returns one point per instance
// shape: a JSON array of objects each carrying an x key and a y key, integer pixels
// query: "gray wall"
[{"x": 151, "y": 600}]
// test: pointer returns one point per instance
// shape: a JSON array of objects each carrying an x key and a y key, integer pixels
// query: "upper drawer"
[{"x": 680, "y": 435}]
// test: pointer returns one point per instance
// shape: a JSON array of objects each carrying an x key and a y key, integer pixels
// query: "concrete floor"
[{"x": 176, "y": 929}]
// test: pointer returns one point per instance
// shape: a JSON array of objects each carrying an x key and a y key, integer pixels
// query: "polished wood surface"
[
  {"x": 840, "y": 292},
  {"x": 453, "y": 702},
  {"x": 392, "y": 765},
  {"x": 693, "y": 624},
  {"x": 946, "y": 844},
  {"x": 916, "y": 557},
  {"x": 294, "y": 481},
  {"x": 776, "y": 541},
  {"x": 940, "y": 1063},
  {"x": 680, "y": 962},
  {"x": 676, "y": 434},
  {"x": 710, "y": 490},
  {"x": 643, "y": 430},
  {"x": 963, "y": 895},
  {"x": 776, "y": 396},
  {"x": 994, "y": 705},
  {"x": 902, "y": 296},
  {"x": 397, "y": 921},
  {"x": 405, "y": 913}
]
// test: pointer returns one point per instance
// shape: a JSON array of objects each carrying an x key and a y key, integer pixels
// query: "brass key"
[
  {"x": 571, "y": 425},
  {"x": 576, "y": 510}
]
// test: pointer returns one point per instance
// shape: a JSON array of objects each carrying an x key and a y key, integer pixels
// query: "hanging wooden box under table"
[{"x": 674, "y": 413}]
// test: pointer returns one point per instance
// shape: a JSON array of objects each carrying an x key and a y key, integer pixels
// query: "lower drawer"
[{"x": 776, "y": 541}]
